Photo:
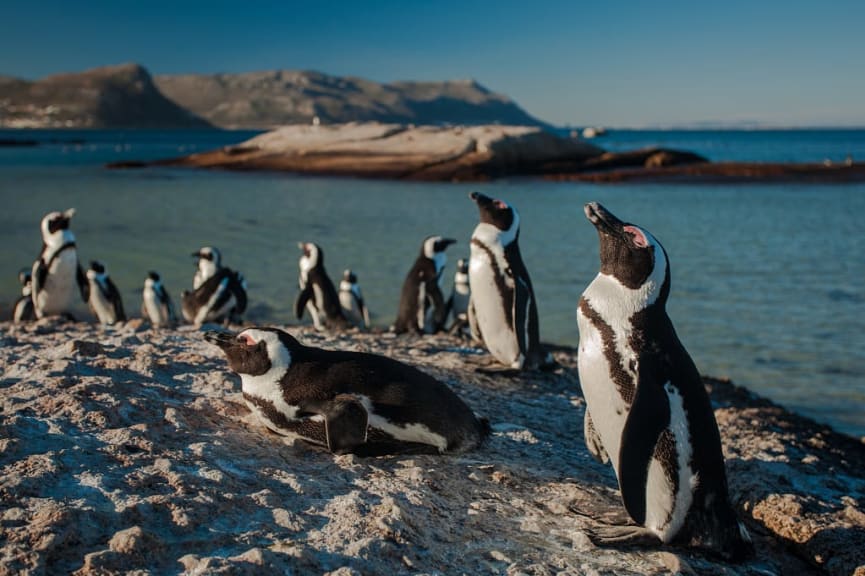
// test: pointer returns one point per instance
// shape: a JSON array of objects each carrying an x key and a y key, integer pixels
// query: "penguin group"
[
  {"x": 647, "y": 411},
  {"x": 51, "y": 286}
]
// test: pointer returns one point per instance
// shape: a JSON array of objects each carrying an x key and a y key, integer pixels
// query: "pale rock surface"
[{"x": 140, "y": 457}]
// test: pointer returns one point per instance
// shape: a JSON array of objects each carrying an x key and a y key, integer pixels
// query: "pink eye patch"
[
  {"x": 246, "y": 339},
  {"x": 500, "y": 205},
  {"x": 640, "y": 239}
]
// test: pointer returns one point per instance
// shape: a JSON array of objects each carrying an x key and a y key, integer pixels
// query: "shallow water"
[{"x": 767, "y": 280}]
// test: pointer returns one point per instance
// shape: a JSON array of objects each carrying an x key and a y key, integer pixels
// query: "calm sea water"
[{"x": 767, "y": 279}]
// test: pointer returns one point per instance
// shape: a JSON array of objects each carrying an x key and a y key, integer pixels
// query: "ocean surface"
[{"x": 768, "y": 280}]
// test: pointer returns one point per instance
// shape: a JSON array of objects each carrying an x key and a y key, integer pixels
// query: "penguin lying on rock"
[
  {"x": 647, "y": 410},
  {"x": 348, "y": 402}
]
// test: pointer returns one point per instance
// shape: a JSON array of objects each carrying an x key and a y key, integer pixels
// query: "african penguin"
[
  {"x": 647, "y": 409},
  {"x": 317, "y": 294},
  {"x": 57, "y": 271},
  {"x": 458, "y": 303},
  {"x": 220, "y": 293},
  {"x": 349, "y": 402},
  {"x": 422, "y": 306},
  {"x": 105, "y": 301},
  {"x": 351, "y": 300},
  {"x": 23, "y": 311},
  {"x": 156, "y": 304},
  {"x": 209, "y": 261},
  {"x": 502, "y": 311}
]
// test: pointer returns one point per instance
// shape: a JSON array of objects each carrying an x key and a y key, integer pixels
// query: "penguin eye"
[
  {"x": 500, "y": 205},
  {"x": 246, "y": 339}
]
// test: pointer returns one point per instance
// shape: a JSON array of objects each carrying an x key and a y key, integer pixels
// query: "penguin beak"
[
  {"x": 196, "y": 254},
  {"x": 603, "y": 219},
  {"x": 480, "y": 199},
  {"x": 69, "y": 213},
  {"x": 222, "y": 339}
]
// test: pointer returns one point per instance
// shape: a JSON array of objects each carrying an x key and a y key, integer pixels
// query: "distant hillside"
[
  {"x": 268, "y": 99},
  {"x": 111, "y": 97}
]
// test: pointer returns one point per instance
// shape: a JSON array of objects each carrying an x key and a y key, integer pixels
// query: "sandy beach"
[{"x": 127, "y": 450}]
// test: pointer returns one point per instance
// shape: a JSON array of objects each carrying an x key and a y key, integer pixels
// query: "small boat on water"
[{"x": 594, "y": 131}]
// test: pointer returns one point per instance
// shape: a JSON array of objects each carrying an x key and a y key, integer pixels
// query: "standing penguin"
[
  {"x": 156, "y": 305},
  {"x": 218, "y": 293},
  {"x": 351, "y": 300},
  {"x": 57, "y": 270},
  {"x": 104, "y": 301},
  {"x": 23, "y": 311},
  {"x": 502, "y": 310},
  {"x": 422, "y": 306},
  {"x": 220, "y": 298},
  {"x": 458, "y": 303},
  {"x": 647, "y": 409},
  {"x": 317, "y": 294},
  {"x": 209, "y": 262}
]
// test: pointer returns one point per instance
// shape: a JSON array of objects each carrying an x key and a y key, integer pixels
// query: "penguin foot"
[{"x": 622, "y": 536}]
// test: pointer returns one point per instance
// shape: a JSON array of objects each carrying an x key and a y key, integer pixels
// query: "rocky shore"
[
  {"x": 128, "y": 450},
  {"x": 477, "y": 153}
]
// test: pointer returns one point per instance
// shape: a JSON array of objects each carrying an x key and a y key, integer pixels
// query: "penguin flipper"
[
  {"x": 38, "y": 275},
  {"x": 238, "y": 287},
  {"x": 593, "y": 440},
  {"x": 345, "y": 423},
  {"x": 522, "y": 306},
  {"x": 474, "y": 327},
  {"x": 302, "y": 298},
  {"x": 117, "y": 301},
  {"x": 440, "y": 313},
  {"x": 83, "y": 284},
  {"x": 648, "y": 417}
]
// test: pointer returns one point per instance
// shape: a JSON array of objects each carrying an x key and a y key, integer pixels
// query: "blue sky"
[{"x": 612, "y": 63}]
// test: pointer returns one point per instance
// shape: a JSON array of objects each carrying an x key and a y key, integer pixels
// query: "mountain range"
[{"x": 127, "y": 96}]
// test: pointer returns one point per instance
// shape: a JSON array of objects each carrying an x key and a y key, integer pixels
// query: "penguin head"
[
  {"x": 349, "y": 276},
  {"x": 498, "y": 214},
  {"x": 462, "y": 266},
  {"x": 209, "y": 254},
  {"x": 257, "y": 350},
  {"x": 629, "y": 253},
  {"x": 55, "y": 227},
  {"x": 434, "y": 248},
  {"x": 25, "y": 277},
  {"x": 96, "y": 270},
  {"x": 153, "y": 280},
  {"x": 312, "y": 256},
  {"x": 433, "y": 245}
]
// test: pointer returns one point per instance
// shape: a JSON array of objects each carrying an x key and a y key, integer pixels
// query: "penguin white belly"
[
  {"x": 103, "y": 309},
  {"x": 350, "y": 308},
  {"x": 58, "y": 293},
  {"x": 605, "y": 404},
  {"x": 499, "y": 336},
  {"x": 153, "y": 309}
]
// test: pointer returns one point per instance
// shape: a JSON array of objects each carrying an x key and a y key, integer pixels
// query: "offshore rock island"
[{"x": 483, "y": 152}]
